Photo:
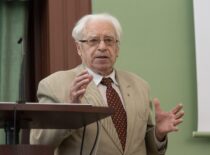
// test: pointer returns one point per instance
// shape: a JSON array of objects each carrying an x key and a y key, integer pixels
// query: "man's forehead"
[
  {"x": 95, "y": 28},
  {"x": 92, "y": 35}
]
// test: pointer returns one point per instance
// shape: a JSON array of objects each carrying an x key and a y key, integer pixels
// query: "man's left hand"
[{"x": 167, "y": 121}]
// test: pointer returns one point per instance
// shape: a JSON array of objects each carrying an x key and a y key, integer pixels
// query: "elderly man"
[{"x": 130, "y": 130}]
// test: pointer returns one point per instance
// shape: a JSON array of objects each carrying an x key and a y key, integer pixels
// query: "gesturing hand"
[
  {"x": 79, "y": 85},
  {"x": 167, "y": 121}
]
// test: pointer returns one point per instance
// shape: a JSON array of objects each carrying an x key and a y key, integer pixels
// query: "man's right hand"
[{"x": 79, "y": 85}]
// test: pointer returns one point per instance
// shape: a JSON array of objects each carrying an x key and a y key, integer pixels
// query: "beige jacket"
[{"x": 140, "y": 131}]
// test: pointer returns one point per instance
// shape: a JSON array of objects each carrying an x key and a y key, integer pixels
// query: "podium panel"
[
  {"x": 14, "y": 117},
  {"x": 26, "y": 150},
  {"x": 51, "y": 115}
]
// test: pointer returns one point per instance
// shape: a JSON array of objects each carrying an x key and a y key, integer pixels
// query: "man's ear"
[
  {"x": 118, "y": 51},
  {"x": 78, "y": 49}
]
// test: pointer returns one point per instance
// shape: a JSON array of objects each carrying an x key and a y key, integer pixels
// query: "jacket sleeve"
[
  {"x": 151, "y": 144},
  {"x": 47, "y": 136}
]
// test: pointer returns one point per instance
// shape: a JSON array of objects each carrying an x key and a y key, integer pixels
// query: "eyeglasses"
[{"x": 109, "y": 41}]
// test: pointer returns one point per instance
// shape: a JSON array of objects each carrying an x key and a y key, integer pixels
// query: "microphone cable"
[
  {"x": 95, "y": 141},
  {"x": 83, "y": 139},
  {"x": 15, "y": 125},
  {"x": 97, "y": 133}
]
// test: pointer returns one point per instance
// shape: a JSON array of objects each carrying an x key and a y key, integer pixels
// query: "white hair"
[{"x": 77, "y": 32}]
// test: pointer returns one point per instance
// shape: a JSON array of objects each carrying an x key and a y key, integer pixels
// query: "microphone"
[
  {"x": 20, "y": 40},
  {"x": 22, "y": 81}
]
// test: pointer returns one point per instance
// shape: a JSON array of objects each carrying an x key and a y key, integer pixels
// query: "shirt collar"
[{"x": 97, "y": 78}]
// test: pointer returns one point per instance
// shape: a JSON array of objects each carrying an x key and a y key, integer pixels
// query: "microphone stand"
[
  {"x": 12, "y": 127},
  {"x": 22, "y": 81}
]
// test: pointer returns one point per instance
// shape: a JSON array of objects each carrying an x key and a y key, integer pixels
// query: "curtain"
[{"x": 13, "y": 25}]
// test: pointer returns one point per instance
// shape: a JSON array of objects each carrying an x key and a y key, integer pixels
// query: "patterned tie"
[{"x": 119, "y": 117}]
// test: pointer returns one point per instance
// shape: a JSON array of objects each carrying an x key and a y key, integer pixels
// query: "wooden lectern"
[{"x": 14, "y": 117}]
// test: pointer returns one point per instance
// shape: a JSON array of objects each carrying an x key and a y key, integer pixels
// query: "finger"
[
  {"x": 179, "y": 115},
  {"x": 177, "y": 122},
  {"x": 81, "y": 92},
  {"x": 82, "y": 84},
  {"x": 79, "y": 85},
  {"x": 81, "y": 81},
  {"x": 82, "y": 77},
  {"x": 175, "y": 128},
  {"x": 76, "y": 95},
  {"x": 90, "y": 77},
  {"x": 156, "y": 103},
  {"x": 83, "y": 74},
  {"x": 177, "y": 108}
]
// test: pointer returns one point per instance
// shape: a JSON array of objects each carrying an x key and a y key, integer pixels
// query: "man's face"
[{"x": 99, "y": 48}]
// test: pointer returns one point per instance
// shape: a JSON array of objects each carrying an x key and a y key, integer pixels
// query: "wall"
[
  {"x": 12, "y": 24},
  {"x": 158, "y": 44}
]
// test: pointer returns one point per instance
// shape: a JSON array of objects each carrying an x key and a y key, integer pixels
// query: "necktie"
[{"x": 119, "y": 117}]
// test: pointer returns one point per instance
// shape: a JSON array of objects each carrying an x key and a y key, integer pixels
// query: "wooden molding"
[{"x": 53, "y": 21}]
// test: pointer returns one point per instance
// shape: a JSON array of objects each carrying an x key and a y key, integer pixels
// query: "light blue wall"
[{"x": 158, "y": 44}]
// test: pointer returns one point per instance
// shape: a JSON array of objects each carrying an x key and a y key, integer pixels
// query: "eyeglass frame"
[{"x": 98, "y": 41}]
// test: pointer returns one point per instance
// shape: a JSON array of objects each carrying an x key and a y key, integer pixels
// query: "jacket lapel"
[
  {"x": 93, "y": 96},
  {"x": 127, "y": 92}
]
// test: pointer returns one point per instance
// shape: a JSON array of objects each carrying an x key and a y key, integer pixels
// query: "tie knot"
[{"x": 106, "y": 81}]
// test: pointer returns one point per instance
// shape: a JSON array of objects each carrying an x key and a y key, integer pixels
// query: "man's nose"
[{"x": 102, "y": 45}]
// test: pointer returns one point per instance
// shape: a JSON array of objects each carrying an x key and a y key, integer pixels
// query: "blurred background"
[{"x": 158, "y": 44}]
